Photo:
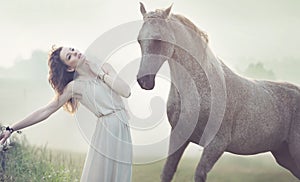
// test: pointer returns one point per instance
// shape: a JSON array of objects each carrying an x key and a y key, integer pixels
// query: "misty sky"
[
  {"x": 237, "y": 29},
  {"x": 264, "y": 30}
]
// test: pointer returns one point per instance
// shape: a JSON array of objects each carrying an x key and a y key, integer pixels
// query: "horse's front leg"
[
  {"x": 176, "y": 149},
  {"x": 210, "y": 155}
]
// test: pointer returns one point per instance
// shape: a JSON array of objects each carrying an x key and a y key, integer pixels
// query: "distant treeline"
[{"x": 287, "y": 69}]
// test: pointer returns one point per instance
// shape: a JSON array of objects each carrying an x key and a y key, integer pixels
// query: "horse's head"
[{"x": 156, "y": 42}]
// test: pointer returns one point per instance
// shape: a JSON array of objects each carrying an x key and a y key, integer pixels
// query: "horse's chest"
[{"x": 176, "y": 110}]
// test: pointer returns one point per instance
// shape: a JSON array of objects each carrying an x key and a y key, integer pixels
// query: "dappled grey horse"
[{"x": 212, "y": 106}]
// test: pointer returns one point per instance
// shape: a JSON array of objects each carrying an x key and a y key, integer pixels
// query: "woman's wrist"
[{"x": 11, "y": 130}]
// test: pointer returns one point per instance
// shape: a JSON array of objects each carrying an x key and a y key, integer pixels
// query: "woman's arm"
[
  {"x": 111, "y": 78},
  {"x": 42, "y": 113}
]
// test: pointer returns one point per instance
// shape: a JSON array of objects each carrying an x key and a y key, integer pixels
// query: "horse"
[{"x": 211, "y": 105}]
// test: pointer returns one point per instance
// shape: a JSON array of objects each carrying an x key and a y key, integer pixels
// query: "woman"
[{"x": 76, "y": 79}]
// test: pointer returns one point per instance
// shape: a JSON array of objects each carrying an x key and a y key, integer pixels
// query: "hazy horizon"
[{"x": 237, "y": 29}]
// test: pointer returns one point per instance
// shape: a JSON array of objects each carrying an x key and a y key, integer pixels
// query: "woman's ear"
[{"x": 70, "y": 69}]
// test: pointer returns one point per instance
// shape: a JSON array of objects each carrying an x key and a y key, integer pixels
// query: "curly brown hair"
[{"x": 59, "y": 77}]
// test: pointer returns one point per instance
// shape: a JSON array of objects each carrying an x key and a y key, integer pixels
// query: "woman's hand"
[
  {"x": 4, "y": 136},
  {"x": 110, "y": 77}
]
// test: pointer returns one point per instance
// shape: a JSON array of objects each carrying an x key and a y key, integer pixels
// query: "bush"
[{"x": 22, "y": 162}]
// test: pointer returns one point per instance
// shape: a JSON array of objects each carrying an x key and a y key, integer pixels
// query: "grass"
[
  {"x": 22, "y": 163},
  {"x": 36, "y": 164},
  {"x": 229, "y": 168}
]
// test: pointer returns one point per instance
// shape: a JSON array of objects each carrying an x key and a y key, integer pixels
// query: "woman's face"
[{"x": 71, "y": 57}]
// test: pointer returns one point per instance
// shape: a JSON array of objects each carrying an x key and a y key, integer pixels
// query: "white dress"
[{"x": 109, "y": 158}]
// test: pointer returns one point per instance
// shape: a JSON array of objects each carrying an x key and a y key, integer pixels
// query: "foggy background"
[{"x": 256, "y": 39}]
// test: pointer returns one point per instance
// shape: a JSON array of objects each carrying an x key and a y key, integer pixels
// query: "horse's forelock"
[{"x": 159, "y": 13}]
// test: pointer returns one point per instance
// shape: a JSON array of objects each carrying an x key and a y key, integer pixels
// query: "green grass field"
[
  {"x": 27, "y": 163},
  {"x": 229, "y": 168}
]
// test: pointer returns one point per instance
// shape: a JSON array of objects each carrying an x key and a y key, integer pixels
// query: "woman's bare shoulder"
[{"x": 74, "y": 87}]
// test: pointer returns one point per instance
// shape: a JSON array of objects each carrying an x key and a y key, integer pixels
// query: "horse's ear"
[
  {"x": 168, "y": 10},
  {"x": 142, "y": 9}
]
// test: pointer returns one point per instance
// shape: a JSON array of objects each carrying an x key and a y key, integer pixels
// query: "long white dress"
[{"x": 109, "y": 158}]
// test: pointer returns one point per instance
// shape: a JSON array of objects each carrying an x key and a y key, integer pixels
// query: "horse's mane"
[
  {"x": 159, "y": 13},
  {"x": 202, "y": 34},
  {"x": 191, "y": 25}
]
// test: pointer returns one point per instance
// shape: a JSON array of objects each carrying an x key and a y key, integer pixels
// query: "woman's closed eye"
[{"x": 69, "y": 55}]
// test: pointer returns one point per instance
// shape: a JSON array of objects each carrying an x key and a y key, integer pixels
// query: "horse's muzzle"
[{"x": 146, "y": 82}]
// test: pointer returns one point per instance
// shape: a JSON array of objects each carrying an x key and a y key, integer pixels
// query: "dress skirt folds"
[{"x": 109, "y": 158}]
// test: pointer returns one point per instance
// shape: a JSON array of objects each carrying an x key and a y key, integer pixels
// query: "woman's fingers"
[
  {"x": 1, "y": 136},
  {"x": 4, "y": 137},
  {"x": 2, "y": 141}
]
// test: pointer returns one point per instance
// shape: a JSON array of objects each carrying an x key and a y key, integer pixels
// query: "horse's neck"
[
  {"x": 184, "y": 69},
  {"x": 193, "y": 58},
  {"x": 191, "y": 48},
  {"x": 182, "y": 61}
]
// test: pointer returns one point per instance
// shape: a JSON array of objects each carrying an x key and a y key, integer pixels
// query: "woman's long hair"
[{"x": 59, "y": 77}]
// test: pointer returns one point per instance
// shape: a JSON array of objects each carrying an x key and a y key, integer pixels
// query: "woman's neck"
[{"x": 83, "y": 70}]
